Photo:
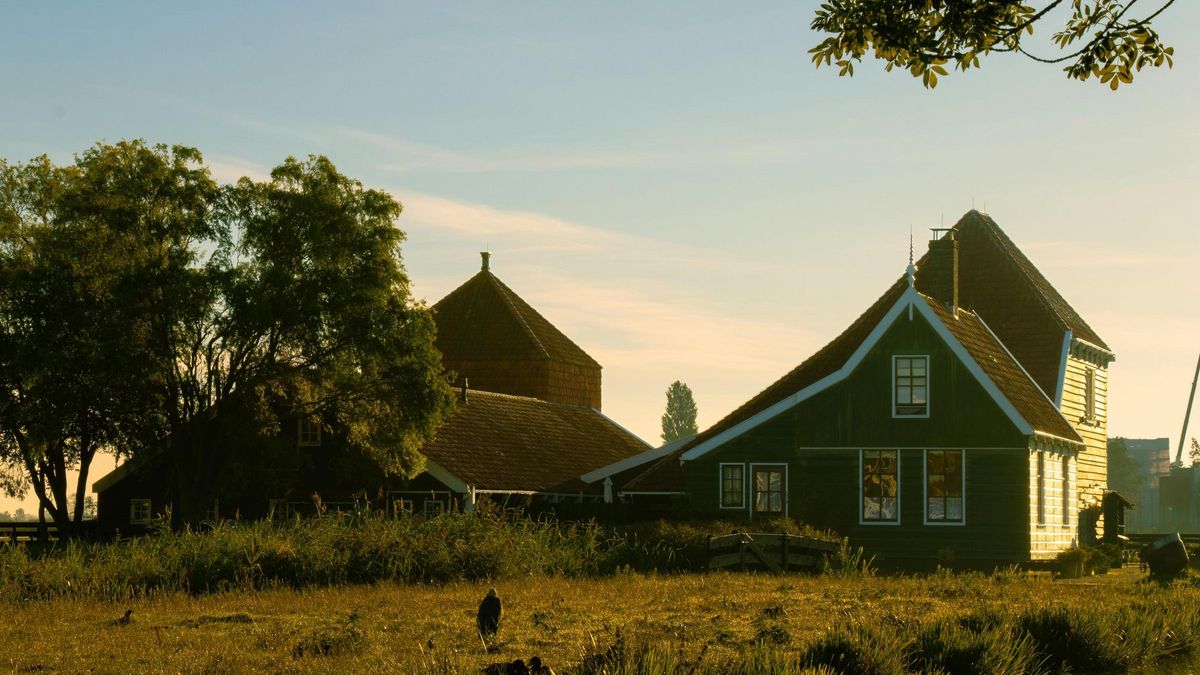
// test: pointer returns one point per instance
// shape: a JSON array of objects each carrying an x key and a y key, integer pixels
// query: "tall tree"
[
  {"x": 145, "y": 309},
  {"x": 1104, "y": 39},
  {"x": 679, "y": 420}
]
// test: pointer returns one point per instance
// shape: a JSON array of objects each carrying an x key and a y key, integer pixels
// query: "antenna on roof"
[{"x": 912, "y": 269}]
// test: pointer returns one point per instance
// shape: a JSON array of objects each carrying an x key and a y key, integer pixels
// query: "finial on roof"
[
  {"x": 912, "y": 269},
  {"x": 486, "y": 255}
]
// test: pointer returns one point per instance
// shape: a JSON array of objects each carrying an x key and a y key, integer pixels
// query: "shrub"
[{"x": 858, "y": 650}]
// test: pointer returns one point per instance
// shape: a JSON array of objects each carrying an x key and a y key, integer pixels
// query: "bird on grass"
[
  {"x": 517, "y": 667},
  {"x": 125, "y": 619},
  {"x": 487, "y": 620},
  {"x": 536, "y": 667}
]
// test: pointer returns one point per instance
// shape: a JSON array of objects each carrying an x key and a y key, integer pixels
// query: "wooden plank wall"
[
  {"x": 1093, "y": 462},
  {"x": 1048, "y": 538}
]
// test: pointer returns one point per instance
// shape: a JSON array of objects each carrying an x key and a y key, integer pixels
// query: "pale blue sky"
[{"x": 672, "y": 184}]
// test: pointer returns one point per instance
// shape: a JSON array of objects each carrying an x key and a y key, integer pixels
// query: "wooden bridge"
[{"x": 777, "y": 553}]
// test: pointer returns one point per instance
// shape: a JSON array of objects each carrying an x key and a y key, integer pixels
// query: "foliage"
[
  {"x": 144, "y": 308},
  {"x": 679, "y": 421},
  {"x": 925, "y": 38}
]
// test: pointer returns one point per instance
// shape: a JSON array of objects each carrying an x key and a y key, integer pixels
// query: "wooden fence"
[
  {"x": 26, "y": 530},
  {"x": 777, "y": 553}
]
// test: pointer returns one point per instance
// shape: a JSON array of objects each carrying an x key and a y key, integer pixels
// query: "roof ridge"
[
  {"x": 1014, "y": 254},
  {"x": 505, "y": 291}
]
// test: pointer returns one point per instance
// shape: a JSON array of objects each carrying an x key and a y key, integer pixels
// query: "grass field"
[{"x": 706, "y": 621}]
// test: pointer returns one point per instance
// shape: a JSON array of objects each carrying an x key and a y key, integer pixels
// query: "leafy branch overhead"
[{"x": 1104, "y": 39}]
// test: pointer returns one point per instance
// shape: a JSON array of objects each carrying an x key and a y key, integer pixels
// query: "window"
[
  {"x": 1041, "y": 487},
  {"x": 944, "y": 474},
  {"x": 769, "y": 491},
  {"x": 308, "y": 432},
  {"x": 1089, "y": 395},
  {"x": 733, "y": 489},
  {"x": 1066, "y": 489},
  {"x": 434, "y": 507},
  {"x": 139, "y": 511},
  {"x": 880, "y": 471},
  {"x": 401, "y": 504},
  {"x": 277, "y": 509},
  {"x": 910, "y": 393}
]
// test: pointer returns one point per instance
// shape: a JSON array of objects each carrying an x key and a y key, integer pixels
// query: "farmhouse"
[
  {"x": 526, "y": 425},
  {"x": 964, "y": 411}
]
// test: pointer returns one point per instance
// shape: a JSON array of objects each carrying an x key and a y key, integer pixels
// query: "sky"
[{"x": 673, "y": 185}]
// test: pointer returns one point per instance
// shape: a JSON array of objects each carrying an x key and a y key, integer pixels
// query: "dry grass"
[{"x": 414, "y": 628}]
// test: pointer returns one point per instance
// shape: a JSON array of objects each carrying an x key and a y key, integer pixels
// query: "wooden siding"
[
  {"x": 820, "y": 439},
  {"x": 1050, "y": 537},
  {"x": 1093, "y": 461}
]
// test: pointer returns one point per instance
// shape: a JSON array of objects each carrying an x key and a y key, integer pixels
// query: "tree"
[
  {"x": 143, "y": 308},
  {"x": 1102, "y": 38},
  {"x": 679, "y": 420},
  {"x": 1124, "y": 474}
]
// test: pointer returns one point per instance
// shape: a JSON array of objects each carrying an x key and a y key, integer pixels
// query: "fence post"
[
  {"x": 708, "y": 554},
  {"x": 742, "y": 550},
  {"x": 783, "y": 546}
]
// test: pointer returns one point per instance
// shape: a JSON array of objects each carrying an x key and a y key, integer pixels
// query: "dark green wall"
[{"x": 819, "y": 440}]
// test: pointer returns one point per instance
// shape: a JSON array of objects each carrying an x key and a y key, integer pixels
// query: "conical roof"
[{"x": 485, "y": 320}]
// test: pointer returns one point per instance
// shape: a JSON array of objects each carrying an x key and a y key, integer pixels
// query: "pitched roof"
[
  {"x": 999, "y": 283},
  {"x": 968, "y": 329},
  {"x": 503, "y": 442},
  {"x": 484, "y": 320}
]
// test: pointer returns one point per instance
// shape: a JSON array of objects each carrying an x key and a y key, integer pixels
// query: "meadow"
[{"x": 368, "y": 596}]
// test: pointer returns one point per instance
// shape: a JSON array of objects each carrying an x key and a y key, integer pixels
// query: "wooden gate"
[{"x": 778, "y": 553}]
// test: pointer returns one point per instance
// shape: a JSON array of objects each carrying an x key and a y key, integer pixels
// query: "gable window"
[
  {"x": 880, "y": 472},
  {"x": 910, "y": 386},
  {"x": 733, "y": 489},
  {"x": 139, "y": 511},
  {"x": 769, "y": 492},
  {"x": 308, "y": 432},
  {"x": 944, "y": 483},
  {"x": 1041, "y": 487},
  {"x": 1089, "y": 395}
]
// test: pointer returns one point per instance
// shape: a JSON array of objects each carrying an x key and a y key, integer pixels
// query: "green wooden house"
[{"x": 917, "y": 432}]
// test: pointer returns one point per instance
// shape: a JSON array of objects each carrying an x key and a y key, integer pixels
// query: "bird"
[
  {"x": 536, "y": 667},
  {"x": 125, "y": 618},
  {"x": 488, "y": 617},
  {"x": 517, "y": 667}
]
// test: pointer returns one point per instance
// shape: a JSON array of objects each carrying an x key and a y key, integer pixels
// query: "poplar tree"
[{"x": 679, "y": 420}]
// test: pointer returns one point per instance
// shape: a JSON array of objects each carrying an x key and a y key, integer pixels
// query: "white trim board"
[
  {"x": 633, "y": 460},
  {"x": 908, "y": 300},
  {"x": 1062, "y": 368}
]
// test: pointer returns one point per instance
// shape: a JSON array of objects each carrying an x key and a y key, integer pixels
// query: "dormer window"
[
  {"x": 308, "y": 432},
  {"x": 910, "y": 386}
]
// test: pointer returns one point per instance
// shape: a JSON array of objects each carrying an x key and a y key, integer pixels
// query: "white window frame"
[
  {"x": 301, "y": 440},
  {"x": 721, "y": 486},
  {"x": 899, "y": 491},
  {"x": 134, "y": 519},
  {"x": 1066, "y": 489},
  {"x": 1041, "y": 488},
  {"x": 962, "y": 465},
  {"x": 786, "y": 488},
  {"x": 928, "y": 402},
  {"x": 441, "y": 507},
  {"x": 1089, "y": 395}
]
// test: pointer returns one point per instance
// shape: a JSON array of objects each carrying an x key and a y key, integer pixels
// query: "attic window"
[
  {"x": 910, "y": 386},
  {"x": 308, "y": 432}
]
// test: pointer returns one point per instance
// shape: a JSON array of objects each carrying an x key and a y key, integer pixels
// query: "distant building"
[{"x": 1153, "y": 459}]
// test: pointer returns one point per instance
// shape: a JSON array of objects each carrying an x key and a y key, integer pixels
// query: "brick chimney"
[{"x": 941, "y": 274}]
